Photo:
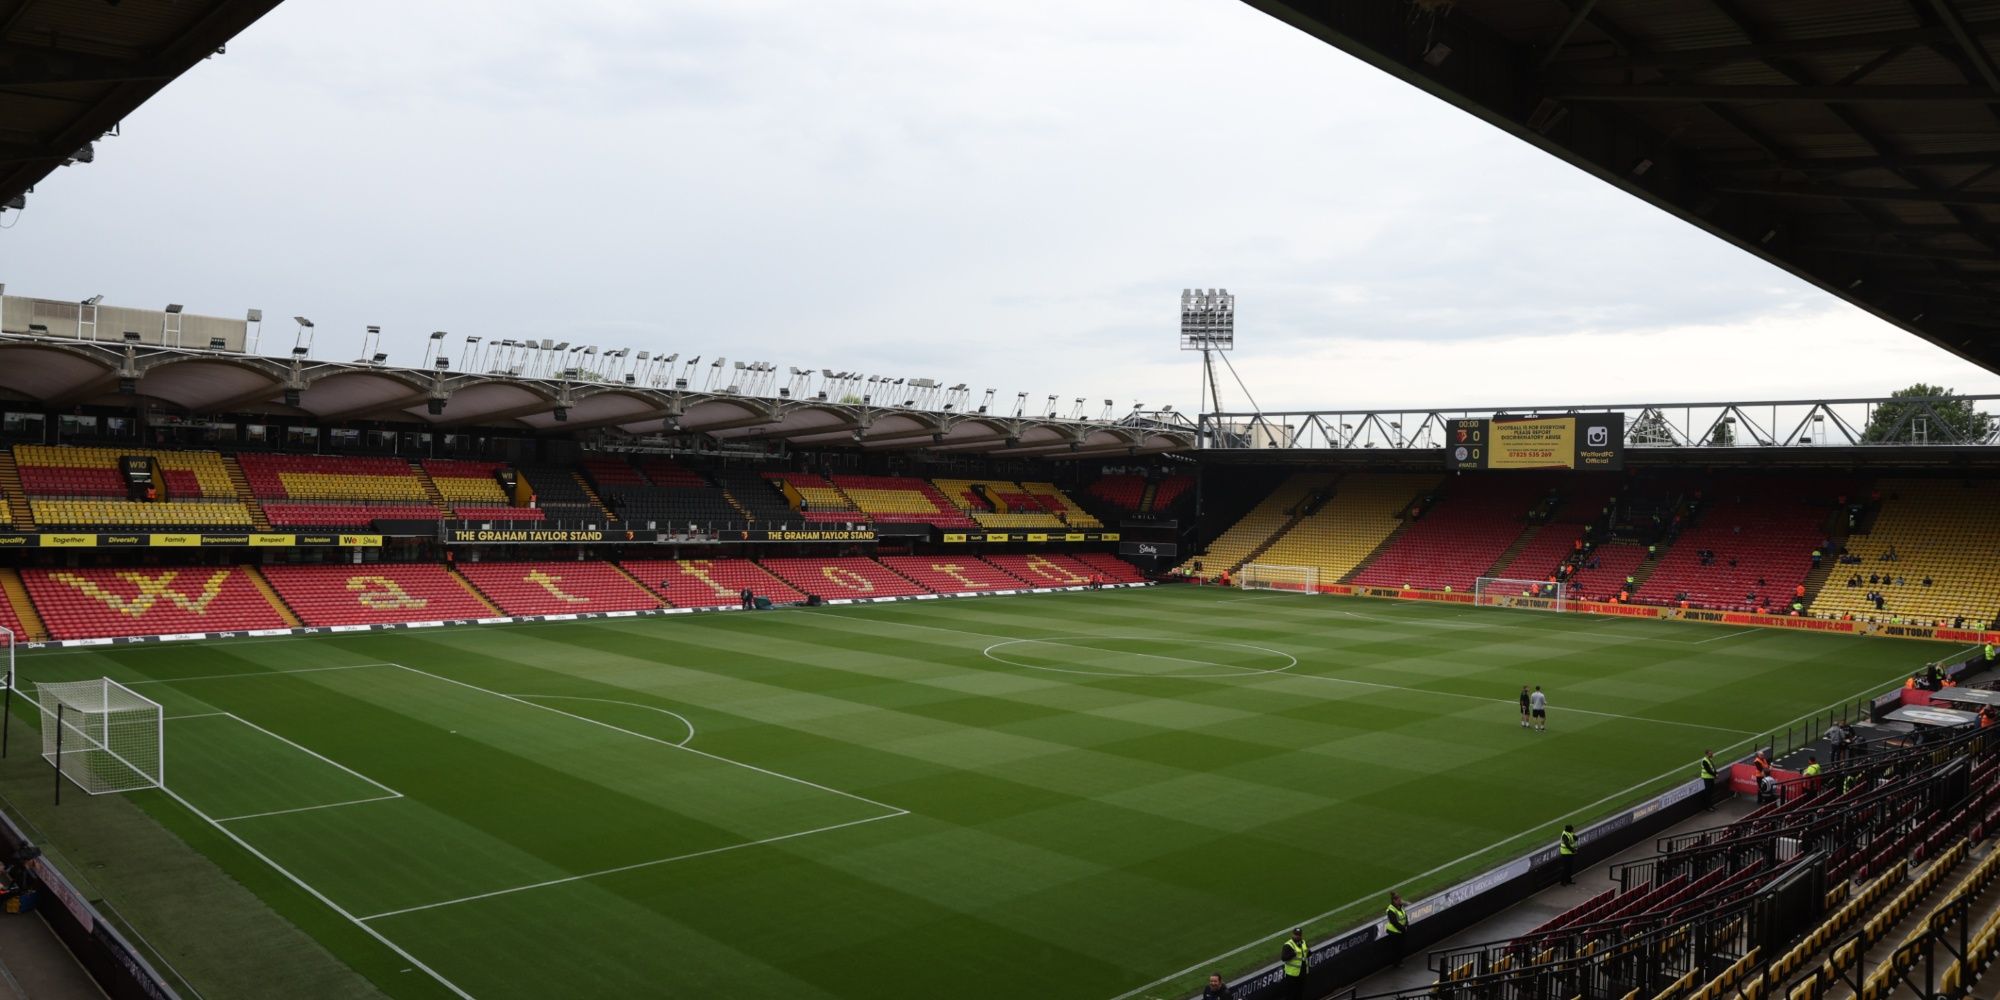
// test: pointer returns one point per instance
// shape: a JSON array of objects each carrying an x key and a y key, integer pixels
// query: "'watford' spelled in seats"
[
  {"x": 555, "y": 588},
  {"x": 902, "y": 499},
  {"x": 952, "y": 574},
  {"x": 329, "y": 477},
  {"x": 372, "y": 595},
  {"x": 843, "y": 578},
  {"x": 710, "y": 583},
  {"x": 1044, "y": 570},
  {"x": 466, "y": 482},
  {"x": 83, "y": 603}
]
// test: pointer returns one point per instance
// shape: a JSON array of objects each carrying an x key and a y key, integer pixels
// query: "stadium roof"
[
  {"x": 64, "y": 372},
  {"x": 70, "y": 70},
  {"x": 1855, "y": 143}
]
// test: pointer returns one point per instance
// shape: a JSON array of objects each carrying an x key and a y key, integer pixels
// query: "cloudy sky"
[{"x": 1009, "y": 195}]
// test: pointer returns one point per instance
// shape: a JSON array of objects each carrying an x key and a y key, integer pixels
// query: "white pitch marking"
[
  {"x": 654, "y": 739},
  {"x": 613, "y": 701},
  {"x": 1719, "y": 638},
  {"x": 1076, "y": 642},
  {"x": 197, "y": 715},
  {"x": 316, "y": 894},
  {"x": 632, "y": 867},
  {"x": 254, "y": 673},
  {"x": 314, "y": 753},
  {"x": 300, "y": 809}
]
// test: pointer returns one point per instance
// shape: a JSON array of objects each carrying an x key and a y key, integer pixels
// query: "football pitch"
[{"x": 1088, "y": 795}]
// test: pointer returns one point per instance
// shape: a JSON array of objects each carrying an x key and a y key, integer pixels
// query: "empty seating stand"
[
  {"x": 902, "y": 499},
  {"x": 344, "y": 515},
  {"x": 1046, "y": 570},
  {"x": 846, "y": 577},
  {"x": 88, "y": 603},
  {"x": 1943, "y": 530},
  {"x": 1120, "y": 490},
  {"x": 464, "y": 484},
  {"x": 1111, "y": 568},
  {"x": 554, "y": 588},
  {"x": 332, "y": 477},
  {"x": 1474, "y": 520},
  {"x": 1768, "y": 527},
  {"x": 758, "y": 497},
  {"x": 558, "y": 492},
  {"x": 374, "y": 594},
  {"x": 155, "y": 516},
  {"x": 72, "y": 471},
  {"x": 818, "y": 499},
  {"x": 710, "y": 583}
]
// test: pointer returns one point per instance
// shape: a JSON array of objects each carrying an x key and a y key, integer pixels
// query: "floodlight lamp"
[
  {"x": 435, "y": 406},
  {"x": 131, "y": 336},
  {"x": 304, "y": 322},
  {"x": 377, "y": 330},
  {"x": 173, "y": 307},
  {"x": 471, "y": 338},
  {"x": 379, "y": 357},
  {"x": 93, "y": 300},
  {"x": 435, "y": 334},
  {"x": 254, "y": 316},
  {"x": 562, "y": 414}
]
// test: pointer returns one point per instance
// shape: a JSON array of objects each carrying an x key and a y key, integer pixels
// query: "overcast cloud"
[{"x": 1006, "y": 195}]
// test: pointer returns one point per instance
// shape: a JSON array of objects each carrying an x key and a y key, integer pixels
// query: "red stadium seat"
[
  {"x": 89, "y": 603},
  {"x": 552, "y": 588},
  {"x": 374, "y": 594},
  {"x": 846, "y": 577},
  {"x": 709, "y": 583}
]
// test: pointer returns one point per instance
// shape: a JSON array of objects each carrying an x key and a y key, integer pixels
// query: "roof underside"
[
  {"x": 1855, "y": 143},
  {"x": 70, "y": 70}
]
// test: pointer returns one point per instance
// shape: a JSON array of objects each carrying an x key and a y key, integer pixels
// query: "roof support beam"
[
  {"x": 1576, "y": 19},
  {"x": 1721, "y": 54},
  {"x": 1846, "y": 192},
  {"x": 1974, "y": 51},
  {"x": 1843, "y": 164},
  {"x": 24, "y": 65},
  {"x": 1769, "y": 93}
]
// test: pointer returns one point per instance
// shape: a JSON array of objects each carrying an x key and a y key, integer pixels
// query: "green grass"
[{"x": 871, "y": 801}]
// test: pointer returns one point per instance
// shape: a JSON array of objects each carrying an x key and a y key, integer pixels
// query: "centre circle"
[{"x": 1081, "y": 642}]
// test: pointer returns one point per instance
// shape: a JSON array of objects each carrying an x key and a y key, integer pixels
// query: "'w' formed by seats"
[
  {"x": 106, "y": 602},
  {"x": 151, "y": 588}
]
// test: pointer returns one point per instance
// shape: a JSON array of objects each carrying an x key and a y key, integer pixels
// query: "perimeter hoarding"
[{"x": 1571, "y": 441}]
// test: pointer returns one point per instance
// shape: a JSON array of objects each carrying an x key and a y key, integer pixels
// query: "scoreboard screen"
[{"x": 1590, "y": 441}]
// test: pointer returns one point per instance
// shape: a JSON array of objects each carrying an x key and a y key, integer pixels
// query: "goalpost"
[
  {"x": 1271, "y": 576},
  {"x": 7, "y": 683},
  {"x": 1537, "y": 595},
  {"x": 101, "y": 735}
]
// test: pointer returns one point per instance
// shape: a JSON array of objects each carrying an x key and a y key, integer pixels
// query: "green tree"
[
  {"x": 1948, "y": 417},
  {"x": 1724, "y": 435},
  {"x": 1651, "y": 427}
]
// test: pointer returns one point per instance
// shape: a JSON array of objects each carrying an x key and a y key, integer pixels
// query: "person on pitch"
[
  {"x": 1524, "y": 706},
  {"x": 1538, "y": 709}
]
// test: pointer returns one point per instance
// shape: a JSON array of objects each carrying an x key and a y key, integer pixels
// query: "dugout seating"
[
  {"x": 466, "y": 482},
  {"x": 1363, "y": 512},
  {"x": 554, "y": 588},
  {"x": 344, "y": 515},
  {"x": 158, "y": 515},
  {"x": 1943, "y": 529},
  {"x": 374, "y": 594},
  {"x": 1230, "y": 549},
  {"x": 947, "y": 573},
  {"x": 709, "y": 583},
  {"x": 845, "y": 577},
  {"x": 74, "y": 471},
  {"x": 902, "y": 499},
  {"x": 90, "y": 603},
  {"x": 1463, "y": 534},
  {"x": 332, "y": 477},
  {"x": 1769, "y": 527}
]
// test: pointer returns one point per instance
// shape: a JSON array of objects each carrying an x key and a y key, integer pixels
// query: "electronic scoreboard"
[{"x": 1588, "y": 441}]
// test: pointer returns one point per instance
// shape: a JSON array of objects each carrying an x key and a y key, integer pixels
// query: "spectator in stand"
[
  {"x": 1217, "y": 989},
  {"x": 1836, "y": 741},
  {"x": 1927, "y": 581}
]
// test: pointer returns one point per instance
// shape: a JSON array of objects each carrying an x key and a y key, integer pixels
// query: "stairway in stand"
[
  {"x": 431, "y": 490},
  {"x": 18, "y": 508},
  {"x": 24, "y": 609},
  {"x": 1146, "y": 498},
  {"x": 591, "y": 492},
  {"x": 636, "y": 582},
  {"x": 474, "y": 591},
  {"x": 241, "y": 483},
  {"x": 277, "y": 603}
]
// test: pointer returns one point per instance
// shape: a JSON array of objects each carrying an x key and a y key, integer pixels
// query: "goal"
[
  {"x": 1537, "y": 595},
  {"x": 1270, "y": 576},
  {"x": 102, "y": 735}
]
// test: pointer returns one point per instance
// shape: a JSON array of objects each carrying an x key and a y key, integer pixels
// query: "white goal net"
[
  {"x": 1537, "y": 595},
  {"x": 102, "y": 735},
  {"x": 1269, "y": 576}
]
